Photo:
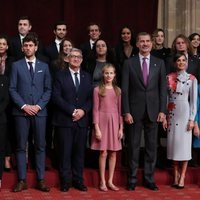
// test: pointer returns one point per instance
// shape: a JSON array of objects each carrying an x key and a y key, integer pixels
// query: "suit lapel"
[
  {"x": 70, "y": 80},
  {"x": 26, "y": 70},
  {"x": 152, "y": 66}
]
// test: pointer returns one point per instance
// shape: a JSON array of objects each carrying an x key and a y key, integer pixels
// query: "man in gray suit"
[
  {"x": 143, "y": 104},
  {"x": 30, "y": 90}
]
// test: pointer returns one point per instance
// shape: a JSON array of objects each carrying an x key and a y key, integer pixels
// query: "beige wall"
[{"x": 178, "y": 16}]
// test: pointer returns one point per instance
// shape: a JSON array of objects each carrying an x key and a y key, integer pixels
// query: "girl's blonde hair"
[{"x": 102, "y": 91}]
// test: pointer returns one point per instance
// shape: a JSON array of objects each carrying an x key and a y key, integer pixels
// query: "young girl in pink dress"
[{"x": 108, "y": 124}]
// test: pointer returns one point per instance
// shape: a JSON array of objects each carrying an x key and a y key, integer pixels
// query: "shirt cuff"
[
  {"x": 23, "y": 106},
  {"x": 39, "y": 107}
]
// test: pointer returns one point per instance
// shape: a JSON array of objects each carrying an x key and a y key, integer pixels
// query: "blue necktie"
[
  {"x": 31, "y": 69},
  {"x": 76, "y": 81}
]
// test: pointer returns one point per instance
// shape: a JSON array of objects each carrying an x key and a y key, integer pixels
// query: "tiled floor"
[{"x": 165, "y": 193}]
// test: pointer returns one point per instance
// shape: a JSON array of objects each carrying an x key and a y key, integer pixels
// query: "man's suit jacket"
[
  {"x": 136, "y": 97},
  {"x": 15, "y": 50},
  {"x": 66, "y": 99},
  {"x": 4, "y": 98},
  {"x": 51, "y": 52},
  {"x": 86, "y": 50},
  {"x": 25, "y": 90}
]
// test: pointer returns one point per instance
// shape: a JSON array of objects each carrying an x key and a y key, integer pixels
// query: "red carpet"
[{"x": 163, "y": 179}]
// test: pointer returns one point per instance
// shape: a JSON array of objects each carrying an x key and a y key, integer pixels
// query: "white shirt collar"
[{"x": 33, "y": 61}]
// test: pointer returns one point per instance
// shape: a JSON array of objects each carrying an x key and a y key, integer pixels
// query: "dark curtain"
[{"x": 141, "y": 15}]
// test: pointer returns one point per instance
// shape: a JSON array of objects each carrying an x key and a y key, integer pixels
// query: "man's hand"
[
  {"x": 31, "y": 110},
  {"x": 128, "y": 118},
  {"x": 77, "y": 114},
  {"x": 161, "y": 117}
]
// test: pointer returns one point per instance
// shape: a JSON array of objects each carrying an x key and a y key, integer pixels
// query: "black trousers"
[
  {"x": 2, "y": 147},
  {"x": 72, "y": 144},
  {"x": 150, "y": 154}
]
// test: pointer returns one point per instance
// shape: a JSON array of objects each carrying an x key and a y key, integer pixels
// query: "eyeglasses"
[{"x": 78, "y": 57}]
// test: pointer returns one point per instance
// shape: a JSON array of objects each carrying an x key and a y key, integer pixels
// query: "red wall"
[{"x": 110, "y": 14}]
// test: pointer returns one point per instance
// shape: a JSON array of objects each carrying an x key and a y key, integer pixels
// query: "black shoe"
[
  {"x": 131, "y": 186},
  {"x": 7, "y": 169},
  {"x": 180, "y": 187},
  {"x": 174, "y": 185},
  {"x": 64, "y": 187},
  {"x": 21, "y": 185},
  {"x": 42, "y": 186},
  {"x": 80, "y": 186},
  {"x": 151, "y": 186}
]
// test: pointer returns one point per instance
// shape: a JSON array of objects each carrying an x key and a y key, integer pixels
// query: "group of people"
[{"x": 137, "y": 87}]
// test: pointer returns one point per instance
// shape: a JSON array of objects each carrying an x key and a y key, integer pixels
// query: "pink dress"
[{"x": 107, "y": 113}]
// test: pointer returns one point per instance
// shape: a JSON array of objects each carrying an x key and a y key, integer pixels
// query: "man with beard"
[
  {"x": 60, "y": 31},
  {"x": 143, "y": 105}
]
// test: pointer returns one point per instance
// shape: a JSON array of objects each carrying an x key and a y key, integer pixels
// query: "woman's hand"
[
  {"x": 190, "y": 125},
  {"x": 98, "y": 135},
  {"x": 120, "y": 134}
]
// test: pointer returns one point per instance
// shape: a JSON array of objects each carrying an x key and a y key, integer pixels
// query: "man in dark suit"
[
  {"x": 94, "y": 33},
  {"x": 72, "y": 95},
  {"x": 143, "y": 104},
  {"x": 60, "y": 32},
  {"x": 15, "y": 47},
  {"x": 30, "y": 90}
]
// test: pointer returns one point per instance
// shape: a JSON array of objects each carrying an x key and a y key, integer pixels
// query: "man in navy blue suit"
[
  {"x": 30, "y": 90},
  {"x": 72, "y": 95}
]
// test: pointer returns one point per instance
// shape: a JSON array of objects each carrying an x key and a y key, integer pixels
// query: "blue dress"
[{"x": 196, "y": 140}]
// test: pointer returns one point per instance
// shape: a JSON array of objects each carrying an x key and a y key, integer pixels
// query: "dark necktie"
[
  {"x": 76, "y": 81},
  {"x": 31, "y": 69},
  {"x": 144, "y": 71}
]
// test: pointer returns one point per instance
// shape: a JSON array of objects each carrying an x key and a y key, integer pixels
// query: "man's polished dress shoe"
[
  {"x": 131, "y": 186},
  {"x": 151, "y": 186},
  {"x": 21, "y": 185},
  {"x": 79, "y": 186},
  {"x": 42, "y": 186},
  {"x": 64, "y": 187}
]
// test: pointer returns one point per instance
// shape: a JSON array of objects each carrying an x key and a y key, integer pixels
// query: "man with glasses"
[{"x": 72, "y": 95}]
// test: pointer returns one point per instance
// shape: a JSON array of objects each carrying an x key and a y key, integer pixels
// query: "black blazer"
[
  {"x": 66, "y": 99},
  {"x": 4, "y": 98},
  {"x": 136, "y": 97},
  {"x": 51, "y": 52},
  {"x": 86, "y": 50},
  {"x": 15, "y": 50}
]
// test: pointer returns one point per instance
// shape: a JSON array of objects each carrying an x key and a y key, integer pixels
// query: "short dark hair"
[
  {"x": 93, "y": 24},
  {"x": 31, "y": 37},
  {"x": 25, "y": 18},
  {"x": 142, "y": 34},
  {"x": 61, "y": 22}
]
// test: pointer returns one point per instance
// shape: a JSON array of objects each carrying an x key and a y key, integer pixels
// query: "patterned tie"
[
  {"x": 144, "y": 71},
  {"x": 31, "y": 69},
  {"x": 76, "y": 81}
]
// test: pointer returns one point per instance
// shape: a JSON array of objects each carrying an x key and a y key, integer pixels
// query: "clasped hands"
[
  {"x": 77, "y": 114},
  {"x": 31, "y": 110}
]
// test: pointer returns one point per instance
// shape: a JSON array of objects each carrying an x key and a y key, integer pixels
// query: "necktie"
[
  {"x": 31, "y": 69},
  {"x": 76, "y": 81},
  {"x": 144, "y": 71}
]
